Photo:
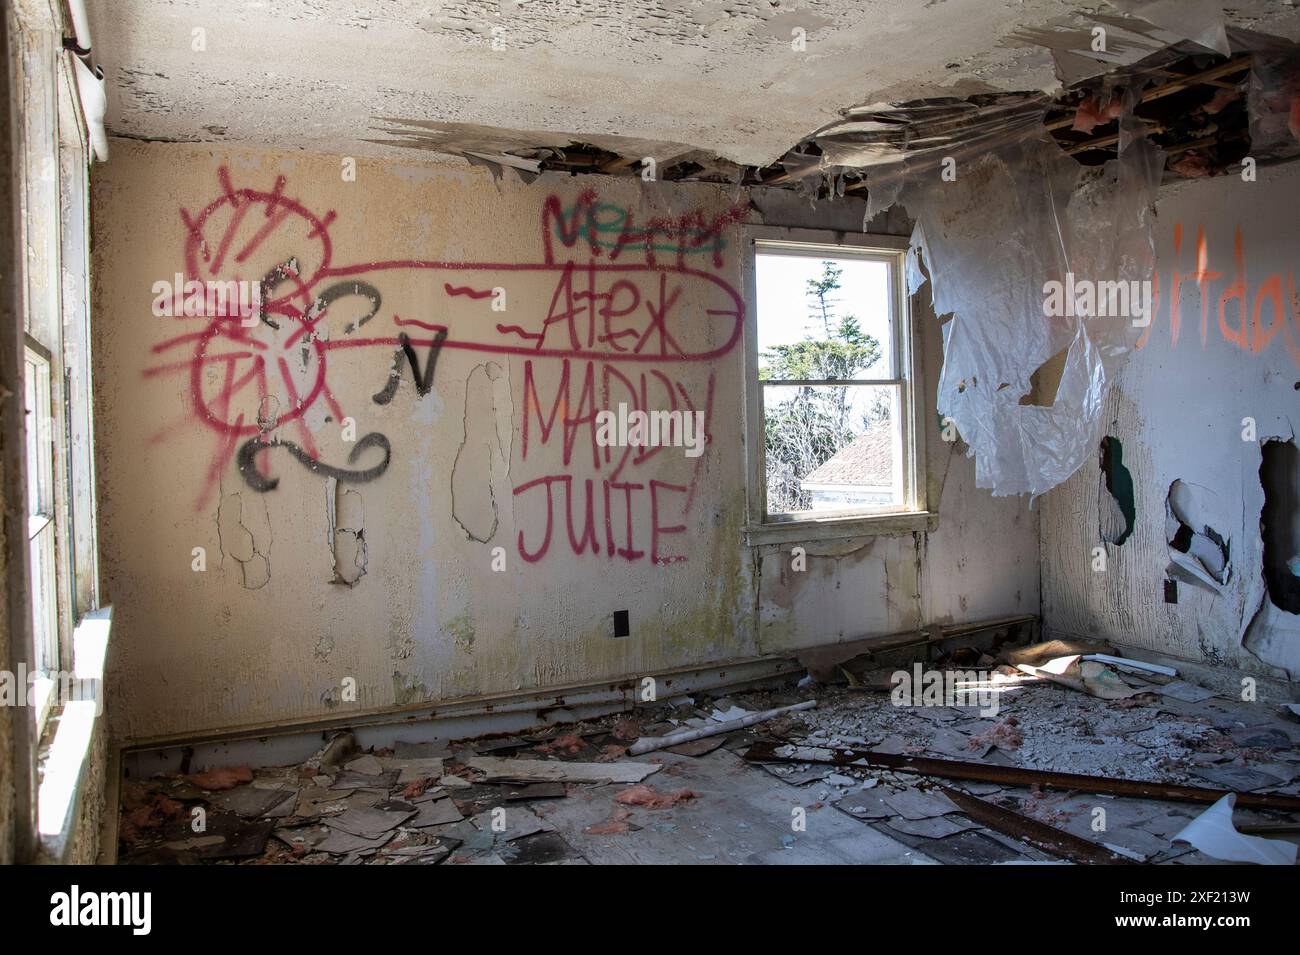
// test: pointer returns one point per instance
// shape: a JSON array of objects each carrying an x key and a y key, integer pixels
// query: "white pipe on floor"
[
  {"x": 1126, "y": 663},
  {"x": 650, "y": 743}
]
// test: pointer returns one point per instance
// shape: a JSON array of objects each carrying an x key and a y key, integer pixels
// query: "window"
[
  {"x": 831, "y": 381},
  {"x": 50, "y": 421},
  {"x": 40, "y": 521},
  {"x": 56, "y": 397}
]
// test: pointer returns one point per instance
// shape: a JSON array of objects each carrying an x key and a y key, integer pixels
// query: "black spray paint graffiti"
[
  {"x": 342, "y": 290},
  {"x": 259, "y": 482},
  {"x": 246, "y": 459},
  {"x": 423, "y": 380}
]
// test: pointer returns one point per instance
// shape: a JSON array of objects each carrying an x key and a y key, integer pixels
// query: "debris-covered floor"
[{"x": 805, "y": 786}]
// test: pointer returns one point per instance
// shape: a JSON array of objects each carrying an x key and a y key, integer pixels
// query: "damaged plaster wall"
[
  {"x": 476, "y": 542},
  {"x": 1206, "y": 388}
]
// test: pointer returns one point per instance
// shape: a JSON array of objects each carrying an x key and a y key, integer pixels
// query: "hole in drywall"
[
  {"x": 1116, "y": 509},
  {"x": 1199, "y": 554},
  {"x": 1045, "y": 380},
  {"x": 1279, "y": 522}
]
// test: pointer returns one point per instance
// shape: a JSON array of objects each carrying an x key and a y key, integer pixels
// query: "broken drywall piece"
[
  {"x": 1213, "y": 833},
  {"x": 915, "y": 804},
  {"x": 1199, "y": 554},
  {"x": 1087, "y": 676},
  {"x": 1273, "y": 637}
]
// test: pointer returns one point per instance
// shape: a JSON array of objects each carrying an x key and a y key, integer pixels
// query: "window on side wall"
[
  {"x": 832, "y": 392},
  {"x": 40, "y": 522}
]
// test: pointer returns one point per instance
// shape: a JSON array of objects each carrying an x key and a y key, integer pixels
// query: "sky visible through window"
[{"x": 784, "y": 305}]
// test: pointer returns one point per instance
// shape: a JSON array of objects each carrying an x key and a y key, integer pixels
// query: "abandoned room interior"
[{"x": 675, "y": 432}]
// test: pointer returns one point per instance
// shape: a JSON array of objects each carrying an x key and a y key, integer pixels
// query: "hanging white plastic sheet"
[
  {"x": 1012, "y": 221},
  {"x": 1001, "y": 210}
]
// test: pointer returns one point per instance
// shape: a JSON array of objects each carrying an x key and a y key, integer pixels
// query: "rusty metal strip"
[
  {"x": 1016, "y": 776},
  {"x": 1038, "y": 834}
]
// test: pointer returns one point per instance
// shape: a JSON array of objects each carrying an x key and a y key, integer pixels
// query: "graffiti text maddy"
[
  {"x": 609, "y": 338},
  {"x": 651, "y": 429}
]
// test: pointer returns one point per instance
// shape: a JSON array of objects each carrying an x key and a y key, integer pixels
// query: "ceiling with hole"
[{"x": 722, "y": 77}]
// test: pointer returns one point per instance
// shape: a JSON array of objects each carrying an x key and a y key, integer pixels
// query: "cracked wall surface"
[
  {"x": 1210, "y": 383},
  {"x": 482, "y": 463},
  {"x": 245, "y": 538},
  {"x": 467, "y": 538}
]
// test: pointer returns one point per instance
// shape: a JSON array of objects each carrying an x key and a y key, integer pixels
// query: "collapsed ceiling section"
[
  {"x": 1067, "y": 183},
  {"x": 1205, "y": 109}
]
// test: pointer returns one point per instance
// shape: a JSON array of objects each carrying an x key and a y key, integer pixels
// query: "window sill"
[
  {"x": 882, "y": 525},
  {"x": 64, "y": 770}
]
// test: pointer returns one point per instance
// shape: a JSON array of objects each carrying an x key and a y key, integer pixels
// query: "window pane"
[
  {"x": 44, "y": 626},
  {"x": 824, "y": 316},
  {"x": 833, "y": 448},
  {"x": 40, "y": 452},
  {"x": 40, "y": 508}
]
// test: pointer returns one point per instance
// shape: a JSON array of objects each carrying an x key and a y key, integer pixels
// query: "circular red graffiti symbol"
[{"x": 249, "y": 360}]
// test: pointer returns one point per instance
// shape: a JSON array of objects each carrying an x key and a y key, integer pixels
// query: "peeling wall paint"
[
  {"x": 476, "y": 541},
  {"x": 1214, "y": 376}
]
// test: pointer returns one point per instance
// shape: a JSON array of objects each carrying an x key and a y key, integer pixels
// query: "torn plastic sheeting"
[
  {"x": 1213, "y": 833},
  {"x": 491, "y": 143},
  {"x": 801, "y": 165},
  {"x": 885, "y": 135},
  {"x": 883, "y": 189},
  {"x": 892, "y": 144},
  {"x": 1274, "y": 101},
  {"x": 1051, "y": 219},
  {"x": 1128, "y": 42},
  {"x": 1200, "y": 21},
  {"x": 916, "y": 276}
]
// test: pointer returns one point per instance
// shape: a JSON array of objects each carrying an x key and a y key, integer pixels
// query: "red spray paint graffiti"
[
  {"x": 1235, "y": 313},
  {"x": 615, "y": 326}
]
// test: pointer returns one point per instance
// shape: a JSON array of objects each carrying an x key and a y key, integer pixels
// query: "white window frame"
[
  {"x": 54, "y": 180},
  {"x": 764, "y": 528},
  {"x": 42, "y": 526}
]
